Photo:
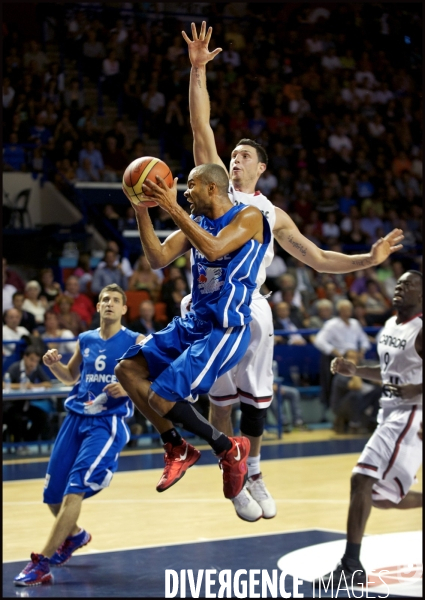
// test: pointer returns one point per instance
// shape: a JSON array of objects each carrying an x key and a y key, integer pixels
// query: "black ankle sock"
[
  {"x": 352, "y": 551},
  {"x": 172, "y": 436},
  {"x": 183, "y": 413}
]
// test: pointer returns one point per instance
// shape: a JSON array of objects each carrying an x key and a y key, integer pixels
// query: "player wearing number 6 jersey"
[
  {"x": 85, "y": 454},
  {"x": 387, "y": 466}
]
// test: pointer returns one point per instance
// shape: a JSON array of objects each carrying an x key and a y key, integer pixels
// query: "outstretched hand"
[
  {"x": 199, "y": 54},
  {"x": 165, "y": 196},
  {"x": 385, "y": 246}
]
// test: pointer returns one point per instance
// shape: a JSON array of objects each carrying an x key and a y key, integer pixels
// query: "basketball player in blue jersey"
[
  {"x": 390, "y": 460},
  {"x": 168, "y": 369},
  {"x": 85, "y": 454},
  {"x": 251, "y": 381}
]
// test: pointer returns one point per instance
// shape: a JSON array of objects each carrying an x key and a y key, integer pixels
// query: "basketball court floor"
[{"x": 138, "y": 534}]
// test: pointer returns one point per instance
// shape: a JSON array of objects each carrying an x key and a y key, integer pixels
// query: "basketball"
[{"x": 146, "y": 167}]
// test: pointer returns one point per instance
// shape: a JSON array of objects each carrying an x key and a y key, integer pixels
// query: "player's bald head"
[{"x": 212, "y": 173}]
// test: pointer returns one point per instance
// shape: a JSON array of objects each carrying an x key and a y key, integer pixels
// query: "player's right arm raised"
[
  {"x": 159, "y": 254},
  {"x": 204, "y": 148},
  {"x": 69, "y": 373}
]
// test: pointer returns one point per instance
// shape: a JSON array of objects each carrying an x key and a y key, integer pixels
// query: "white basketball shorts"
[
  {"x": 251, "y": 380},
  {"x": 393, "y": 454}
]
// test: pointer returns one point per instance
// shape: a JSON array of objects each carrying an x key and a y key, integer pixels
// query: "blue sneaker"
[
  {"x": 36, "y": 572},
  {"x": 70, "y": 545}
]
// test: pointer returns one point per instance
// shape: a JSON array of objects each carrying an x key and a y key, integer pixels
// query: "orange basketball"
[{"x": 136, "y": 174}]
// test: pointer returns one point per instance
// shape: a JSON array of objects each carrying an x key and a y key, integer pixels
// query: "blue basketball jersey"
[
  {"x": 96, "y": 371},
  {"x": 222, "y": 289}
]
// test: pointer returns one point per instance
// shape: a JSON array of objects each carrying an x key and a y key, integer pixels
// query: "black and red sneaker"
[
  {"x": 178, "y": 459},
  {"x": 233, "y": 464}
]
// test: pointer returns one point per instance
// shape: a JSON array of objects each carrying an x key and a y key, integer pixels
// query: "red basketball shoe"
[
  {"x": 178, "y": 459},
  {"x": 234, "y": 467}
]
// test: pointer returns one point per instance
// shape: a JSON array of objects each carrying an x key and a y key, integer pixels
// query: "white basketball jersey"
[
  {"x": 267, "y": 208},
  {"x": 400, "y": 363}
]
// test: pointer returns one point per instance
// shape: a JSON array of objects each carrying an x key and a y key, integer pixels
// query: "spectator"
[
  {"x": 110, "y": 273},
  {"x": 377, "y": 308},
  {"x": 365, "y": 188},
  {"x": 67, "y": 318},
  {"x": 93, "y": 54},
  {"x": 153, "y": 103},
  {"x": 49, "y": 287},
  {"x": 8, "y": 97},
  {"x": 111, "y": 75},
  {"x": 34, "y": 56},
  {"x": 115, "y": 161},
  {"x": 145, "y": 323},
  {"x": 179, "y": 290},
  {"x": 82, "y": 304},
  {"x": 339, "y": 140},
  {"x": 330, "y": 228},
  {"x": 325, "y": 311},
  {"x": 338, "y": 335},
  {"x": 12, "y": 330},
  {"x": 39, "y": 133},
  {"x": 121, "y": 262},
  {"x": 287, "y": 283},
  {"x": 95, "y": 158},
  {"x": 231, "y": 56},
  {"x": 330, "y": 60},
  {"x": 355, "y": 237},
  {"x": 267, "y": 182},
  {"x": 370, "y": 224},
  {"x": 11, "y": 277},
  {"x": 52, "y": 330},
  {"x": 131, "y": 95},
  {"x": 84, "y": 272},
  {"x": 145, "y": 278},
  {"x": 14, "y": 157},
  {"x": 354, "y": 402},
  {"x": 293, "y": 396},
  {"x": 118, "y": 132},
  {"x": 27, "y": 319},
  {"x": 86, "y": 171},
  {"x": 24, "y": 419},
  {"x": 74, "y": 99},
  {"x": 282, "y": 320},
  {"x": 401, "y": 163},
  {"x": 34, "y": 303}
]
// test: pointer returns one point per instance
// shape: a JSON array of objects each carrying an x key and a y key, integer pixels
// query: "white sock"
[{"x": 253, "y": 464}]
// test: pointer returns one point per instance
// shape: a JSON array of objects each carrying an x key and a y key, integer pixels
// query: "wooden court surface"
[{"x": 310, "y": 492}]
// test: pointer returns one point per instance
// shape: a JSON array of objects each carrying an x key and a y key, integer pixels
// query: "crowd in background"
[{"x": 334, "y": 95}]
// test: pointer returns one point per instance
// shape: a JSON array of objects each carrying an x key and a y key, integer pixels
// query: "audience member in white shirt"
[
  {"x": 12, "y": 330},
  {"x": 338, "y": 335}
]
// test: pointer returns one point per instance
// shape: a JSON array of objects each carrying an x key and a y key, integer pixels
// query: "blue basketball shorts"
[
  {"x": 85, "y": 456},
  {"x": 186, "y": 357}
]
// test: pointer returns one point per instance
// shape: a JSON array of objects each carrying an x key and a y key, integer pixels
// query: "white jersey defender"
[{"x": 393, "y": 454}]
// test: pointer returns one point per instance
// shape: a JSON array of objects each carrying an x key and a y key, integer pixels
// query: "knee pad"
[{"x": 252, "y": 420}]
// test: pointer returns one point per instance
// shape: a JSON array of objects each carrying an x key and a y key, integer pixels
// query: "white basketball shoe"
[{"x": 257, "y": 488}]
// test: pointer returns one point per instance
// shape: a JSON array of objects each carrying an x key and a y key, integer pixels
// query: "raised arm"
[
  {"x": 204, "y": 148},
  {"x": 289, "y": 237},
  {"x": 248, "y": 224},
  {"x": 159, "y": 254},
  {"x": 69, "y": 373}
]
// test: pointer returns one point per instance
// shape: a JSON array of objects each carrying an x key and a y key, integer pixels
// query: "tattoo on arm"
[
  {"x": 198, "y": 77},
  {"x": 297, "y": 245},
  {"x": 364, "y": 262}
]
